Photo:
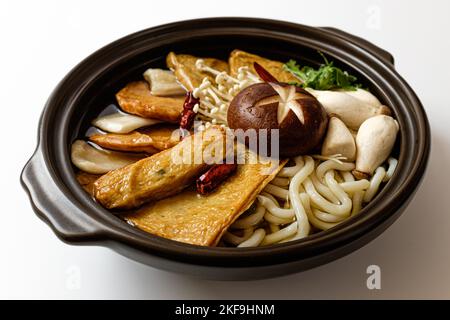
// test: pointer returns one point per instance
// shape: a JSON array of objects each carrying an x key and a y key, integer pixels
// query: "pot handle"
[
  {"x": 50, "y": 204},
  {"x": 381, "y": 54}
]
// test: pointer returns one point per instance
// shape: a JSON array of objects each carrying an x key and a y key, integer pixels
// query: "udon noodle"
[{"x": 312, "y": 194}]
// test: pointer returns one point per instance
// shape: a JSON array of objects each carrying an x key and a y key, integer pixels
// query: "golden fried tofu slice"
[
  {"x": 163, "y": 174},
  {"x": 239, "y": 58},
  {"x": 136, "y": 99},
  {"x": 149, "y": 140},
  {"x": 183, "y": 65},
  {"x": 87, "y": 180},
  {"x": 202, "y": 220}
]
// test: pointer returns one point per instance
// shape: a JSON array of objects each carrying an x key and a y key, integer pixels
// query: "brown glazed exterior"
[
  {"x": 59, "y": 200},
  {"x": 295, "y": 138}
]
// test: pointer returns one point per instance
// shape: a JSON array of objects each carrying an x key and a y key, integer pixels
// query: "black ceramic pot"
[{"x": 59, "y": 200}]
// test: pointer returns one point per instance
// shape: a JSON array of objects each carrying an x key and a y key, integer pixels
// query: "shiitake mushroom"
[{"x": 299, "y": 116}]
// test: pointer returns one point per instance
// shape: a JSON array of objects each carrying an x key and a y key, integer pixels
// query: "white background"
[{"x": 40, "y": 41}]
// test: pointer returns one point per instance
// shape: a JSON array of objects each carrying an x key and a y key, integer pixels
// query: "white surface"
[{"x": 42, "y": 40}]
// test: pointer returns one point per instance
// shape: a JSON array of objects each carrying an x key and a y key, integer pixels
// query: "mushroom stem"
[
  {"x": 98, "y": 161},
  {"x": 339, "y": 140},
  {"x": 122, "y": 122},
  {"x": 163, "y": 83},
  {"x": 352, "y": 107},
  {"x": 374, "y": 143}
]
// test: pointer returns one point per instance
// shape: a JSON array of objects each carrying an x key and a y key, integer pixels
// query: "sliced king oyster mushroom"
[
  {"x": 122, "y": 122},
  {"x": 96, "y": 161},
  {"x": 364, "y": 96},
  {"x": 163, "y": 83},
  {"x": 339, "y": 140},
  {"x": 352, "y": 107}
]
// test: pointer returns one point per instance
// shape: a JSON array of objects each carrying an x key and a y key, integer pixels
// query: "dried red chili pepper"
[
  {"x": 263, "y": 73},
  {"x": 188, "y": 114},
  {"x": 214, "y": 176}
]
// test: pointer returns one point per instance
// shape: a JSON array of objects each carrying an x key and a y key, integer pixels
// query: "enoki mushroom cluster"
[{"x": 216, "y": 97}]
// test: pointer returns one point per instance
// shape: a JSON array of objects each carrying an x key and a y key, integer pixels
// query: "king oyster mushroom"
[
  {"x": 163, "y": 83},
  {"x": 374, "y": 143},
  {"x": 352, "y": 107},
  {"x": 300, "y": 118},
  {"x": 96, "y": 161},
  {"x": 339, "y": 140},
  {"x": 122, "y": 122}
]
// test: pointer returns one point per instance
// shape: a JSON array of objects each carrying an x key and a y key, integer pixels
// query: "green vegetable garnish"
[{"x": 327, "y": 77}]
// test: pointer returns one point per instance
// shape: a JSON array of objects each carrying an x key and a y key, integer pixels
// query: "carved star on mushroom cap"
[{"x": 287, "y": 100}]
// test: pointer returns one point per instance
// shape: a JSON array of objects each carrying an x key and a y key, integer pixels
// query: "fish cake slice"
[
  {"x": 163, "y": 174},
  {"x": 87, "y": 180},
  {"x": 149, "y": 140},
  {"x": 183, "y": 65},
  {"x": 202, "y": 220},
  {"x": 136, "y": 99},
  {"x": 239, "y": 58}
]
